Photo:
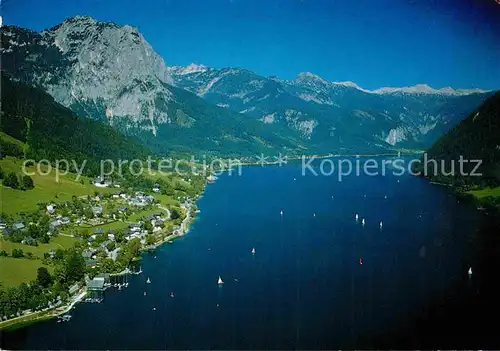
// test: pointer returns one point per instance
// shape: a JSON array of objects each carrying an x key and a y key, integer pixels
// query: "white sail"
[
  {"x": 253, "y": 250},
  {"x": 470, "y": 271},
  {"x": 220, "y": 281}
]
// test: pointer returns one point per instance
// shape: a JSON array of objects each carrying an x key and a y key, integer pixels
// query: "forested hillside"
[
  {"x": 475, "y": 138},
  {"x": 51, "y": 131}
]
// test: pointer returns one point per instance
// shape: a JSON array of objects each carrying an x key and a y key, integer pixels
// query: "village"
[{"x": 108, "y": 230}]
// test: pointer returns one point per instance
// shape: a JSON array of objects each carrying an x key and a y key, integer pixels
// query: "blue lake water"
[{"x": 304, "y": 287}]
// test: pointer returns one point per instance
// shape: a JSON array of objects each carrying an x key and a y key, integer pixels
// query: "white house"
[{"x": 51, "y": 208}]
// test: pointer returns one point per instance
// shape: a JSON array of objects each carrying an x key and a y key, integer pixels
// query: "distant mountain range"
[{"x": 111, "y": 74}]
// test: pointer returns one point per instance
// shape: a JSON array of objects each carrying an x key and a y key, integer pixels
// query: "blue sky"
[{"x": 371, "y": 42}]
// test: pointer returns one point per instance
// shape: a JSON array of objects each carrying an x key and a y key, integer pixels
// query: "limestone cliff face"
[
  {"x": 105, "y": 70},
  {"x": 110, "y": 73}
]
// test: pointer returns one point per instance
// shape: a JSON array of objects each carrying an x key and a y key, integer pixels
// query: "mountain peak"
[
  {"x": 192, "y": 68},
  {"x": 310, "y": 76}
]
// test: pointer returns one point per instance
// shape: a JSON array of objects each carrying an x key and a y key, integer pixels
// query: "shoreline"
[
  {"x": 38, "y": 316},
  {"x": 297, "y": 158},
  {"x": 49, "y": 313}
]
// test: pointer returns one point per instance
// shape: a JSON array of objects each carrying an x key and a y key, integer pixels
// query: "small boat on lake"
[
  {"x": 253, "y": 251},
  {"x": 281, "y": 212},
  {"x": 356, "y": 216},
  {"x": 171, "y": 294},
  {"x": 219, "y": 281},
  {"x": 148, "y": 281},
  {"x": 363, "y": 221},
  {"x": 380, "y": 224},
  {"x": 470, "y": 271},
  {"x": 64, "y": 318}
]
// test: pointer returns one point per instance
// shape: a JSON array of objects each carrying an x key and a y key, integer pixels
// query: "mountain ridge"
[
  {"x": 110, "y": 73},
  {"x": 420, "y": 88}
]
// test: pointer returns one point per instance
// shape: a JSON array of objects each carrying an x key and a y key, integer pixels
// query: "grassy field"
[
  {"x": 12, "y": 140},
  {"x": 14, "y": 271},
  {"x": 494, "y": 192},
  {"x": 59, "y": 242},
  {"x": 46, "y": 188},
  {"x": 166, "y": 199}
]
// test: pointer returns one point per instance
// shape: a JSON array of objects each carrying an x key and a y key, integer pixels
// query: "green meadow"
[
  {"x": 47, "y": 188},
  {"x": 480, "y": 194}
]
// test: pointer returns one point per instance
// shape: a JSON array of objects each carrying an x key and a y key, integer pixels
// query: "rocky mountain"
[
  {"x": 111, "y": 74},
  {"x": 334, "y": 113}
]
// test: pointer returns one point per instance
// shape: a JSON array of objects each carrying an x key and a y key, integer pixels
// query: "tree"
[
  {"x": 174, "y": 213},
  {"x": 119, "y": 236},
  {"x": 59, "y": 254},
  {"x": 148, "y": 226},
  {"x": 111, "y": 246},
  {"x": 11, "y": 181},
  {"x": 3, "y": 253},
  {"x": 150, "y": 239},
  {"x": 2, "y": 174},
  {"x": 17, "y": 253},
  {"x": 28, "y": 182},
  {"x": 43, "y": 277},
  {"x": 74, "y": 266}
]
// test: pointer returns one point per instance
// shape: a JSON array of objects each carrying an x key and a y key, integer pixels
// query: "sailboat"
[
  {"x": 380, "y": 224},
  {"x": 314, "y": 214},
  {"x": 220, "y": 282},
  {"x": 144, "y": 293},
  {"x": 363, "y": 221},
  {"x": 253, "y": 251},
  {"x": 148, "y": 281},
  {"x": 281, "y": 212},
  {"x": 470, "y": 271},
  {"x": 356, "y": 216},
  {"x": 172, "y": 294}
]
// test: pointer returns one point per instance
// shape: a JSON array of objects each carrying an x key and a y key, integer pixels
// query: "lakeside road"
[{"x": 45, "y": 313}]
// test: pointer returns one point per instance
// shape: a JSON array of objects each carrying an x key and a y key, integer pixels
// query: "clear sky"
[{"x": 371, "y": 42}]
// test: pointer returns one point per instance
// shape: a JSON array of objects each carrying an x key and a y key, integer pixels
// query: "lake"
[{"x": 318, "y": 278}]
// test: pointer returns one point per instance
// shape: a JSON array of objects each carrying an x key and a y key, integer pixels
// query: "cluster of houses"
[
  {"x": 139, "y": 199},
  {"x": 103, "y": 182},
  {"x": 18, "y": 226},
  {"x": 137, "y": 230},
  {"x": 134, "y": 230}
]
